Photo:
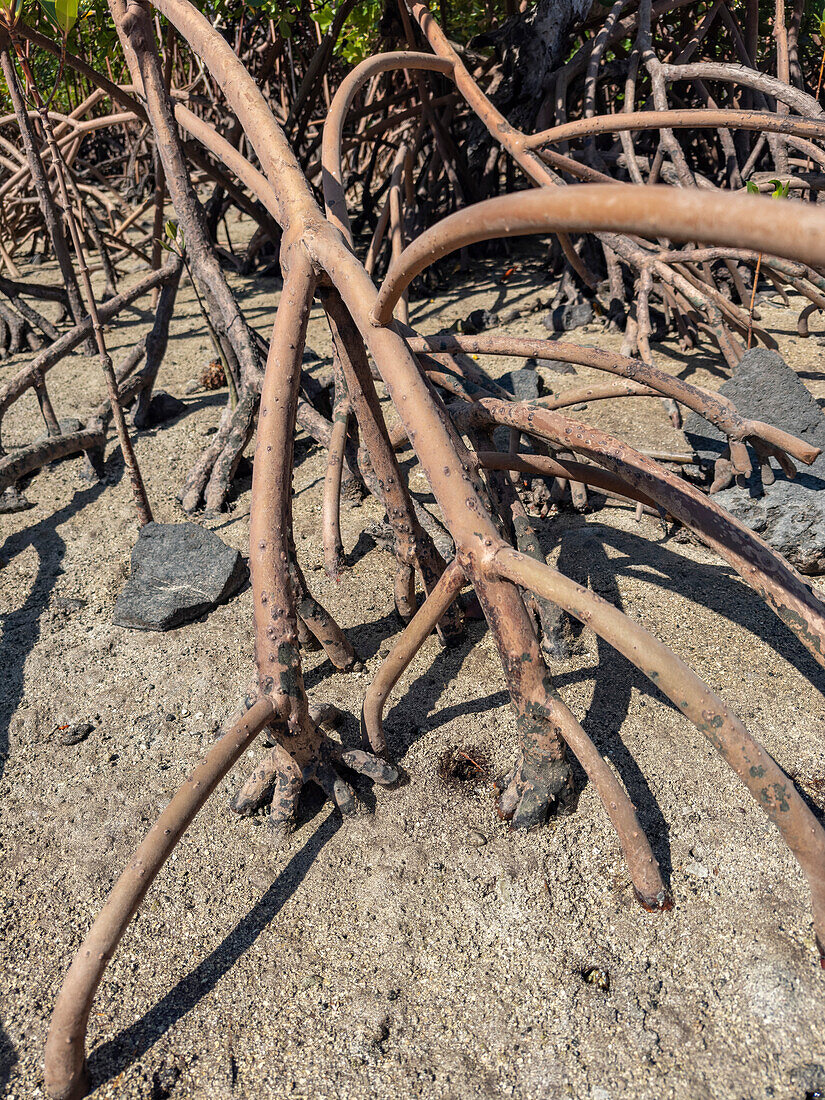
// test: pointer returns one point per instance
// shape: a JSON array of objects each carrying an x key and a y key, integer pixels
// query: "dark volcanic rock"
[
  {"x": 526, "y": 386},
  {"x": 11, "y": 500},
  {"x": 68, "y": 426},
  {"x": 566, "y": 318},
  {"x": 477, "y": 321},
  {"x": 74, "y": 734},
  {"x": 552, "y": 364},
  {"x": 163, "y": 407},
  {"x": 523, "y": 384},
  {"x": 179, "y": 572},
  {"x": 790, "y": 514}
]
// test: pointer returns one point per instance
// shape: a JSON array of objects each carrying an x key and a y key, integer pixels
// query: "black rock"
[
  {"x": 566, "y": 318},
  {"x": 551, "y": 364},
  {"x": 76, "y": 733},
  {"x": 179, "y": 572},
  {"x": 68, "y": 426},
  {"x": 477, "y": 321},
  {"x": 789, "y": 514},
  {"x": 11, "y": 500},
  {"x": 523, "y": 384},
  {"x": 163, "y": 407}
]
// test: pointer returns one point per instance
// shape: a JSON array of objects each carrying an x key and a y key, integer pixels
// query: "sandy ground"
[{"x": 423, "y": 950}]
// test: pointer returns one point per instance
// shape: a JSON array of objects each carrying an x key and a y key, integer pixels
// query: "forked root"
[
  {"x": 769, "y": 785},
  {"x": 314, "y": 251},
  {"x": 765, "y": 571}
]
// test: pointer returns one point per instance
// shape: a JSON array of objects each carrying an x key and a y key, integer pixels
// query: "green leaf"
[
  {"x": 752, "y": 188},
  {"x": 63, "y": 13},
  {"x": 323, "y": 17},
  {"x": 66, "y": 11},
  {"x": 48, "y": 8},
  {"x": 780, "y": 189}
]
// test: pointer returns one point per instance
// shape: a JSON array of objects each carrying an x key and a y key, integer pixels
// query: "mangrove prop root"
[{"x": 475, "y": 493}]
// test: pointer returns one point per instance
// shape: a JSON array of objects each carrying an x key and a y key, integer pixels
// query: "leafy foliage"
[
  {"x": 63, "y": 13},
  {"x": 358, "y": 35}
]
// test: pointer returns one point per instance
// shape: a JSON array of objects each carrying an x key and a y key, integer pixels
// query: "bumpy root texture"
[
  {"x": 777, "y": 582},
  {"x": 414, "y": 547},
  {"x": 304, "y": 752},
  {"x": 541, "y": 780},
  {"x": 334, "y": 558},
  {"x": 770, "y": 786},
  {"x": 277, "y": 781}
]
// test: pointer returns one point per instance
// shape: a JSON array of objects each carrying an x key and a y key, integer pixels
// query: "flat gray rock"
[
  {"x": 179, "y": 572},
  {"x": 790, "y": 514}
]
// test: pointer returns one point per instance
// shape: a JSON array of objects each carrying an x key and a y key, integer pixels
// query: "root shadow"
[
  {"x": 20, "y": 629},
  {"x": 115, "y": 1055}
]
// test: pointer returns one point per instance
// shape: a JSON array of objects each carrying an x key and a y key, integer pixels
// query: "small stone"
[
  {"x": 74, "y": 734},
  {"x": 476, "y": 839},
  {"x": 180, "y": 571},
  {"x": 526, "y": 385},
  {"x": 163, "y": 407},
  {"x": 551, "y": 364},
  {"x": 569, "y": 317},
  {"x": 193, "y": 386},
  {"x": 68, "y": 426},
  {"x": 697, "y": 870},
  {"x": 13, "y": 501},
  {"x": 477, "y": 321}
]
